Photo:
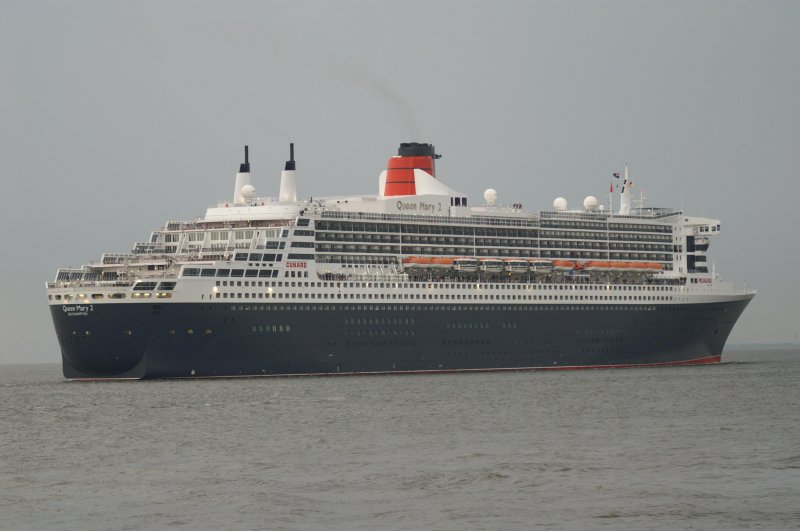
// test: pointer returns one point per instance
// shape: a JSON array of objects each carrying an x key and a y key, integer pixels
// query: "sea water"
[{"x": 704, "y": 447}]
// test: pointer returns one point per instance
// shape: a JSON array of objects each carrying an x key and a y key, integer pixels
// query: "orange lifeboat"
[
  {"x": 563, "y": 265},
  {"x": 417, "y": 262},
  {"x": 597, "y": 265},
  {"x": 441, "y": 263},
  {"x": 636, "y": 267}
]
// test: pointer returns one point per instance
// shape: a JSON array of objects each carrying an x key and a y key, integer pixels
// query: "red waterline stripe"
[{"x": 697, "y": 361}]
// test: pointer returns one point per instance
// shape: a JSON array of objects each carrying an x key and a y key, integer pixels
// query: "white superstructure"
[{"x": 429, "y": 245}]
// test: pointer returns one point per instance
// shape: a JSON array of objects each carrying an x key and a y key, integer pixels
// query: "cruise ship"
[{"x": 413, "y": 279}]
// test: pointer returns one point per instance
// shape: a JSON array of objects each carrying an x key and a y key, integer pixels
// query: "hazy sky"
[{"x": 116, "y": 116}]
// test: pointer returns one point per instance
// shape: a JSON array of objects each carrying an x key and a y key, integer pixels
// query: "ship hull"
[{"x": 218, "y": 340}]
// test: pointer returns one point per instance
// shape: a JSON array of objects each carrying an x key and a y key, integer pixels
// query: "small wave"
[{"x": 609, "y": 515}]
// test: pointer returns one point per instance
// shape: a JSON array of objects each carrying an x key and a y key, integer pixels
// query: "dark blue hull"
[{"x": 202, "y": 340}]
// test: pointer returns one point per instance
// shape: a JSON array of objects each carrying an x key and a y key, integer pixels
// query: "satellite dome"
[
  {"x": 490, "y": 195},
  {"x": 591, "y": 203},
  {"x": 560, "y": 204},
  {"x": 248, "y": 191}
]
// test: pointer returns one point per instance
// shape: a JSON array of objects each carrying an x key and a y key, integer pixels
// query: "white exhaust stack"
[
  {"x": 625, "y": 195},
  {"x": 288, "y": 193},
  {"x": 242, "y": 178}
]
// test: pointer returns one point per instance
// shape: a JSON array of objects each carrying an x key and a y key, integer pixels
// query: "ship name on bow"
[{"x": 77, "y": 310}]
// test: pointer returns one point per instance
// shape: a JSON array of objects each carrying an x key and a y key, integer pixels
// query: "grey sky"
[{"x": 117, "y": 116}]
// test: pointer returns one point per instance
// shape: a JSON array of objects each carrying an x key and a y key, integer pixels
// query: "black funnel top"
[
  {"x": 416, "y": 149},
  {"x": 290, "y": 163},
  {"x": 245, "y": 166}
]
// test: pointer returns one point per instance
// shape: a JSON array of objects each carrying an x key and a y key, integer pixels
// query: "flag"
[
  {"x": 611, "y": 188},
  {"x": 616, "y": 175}
]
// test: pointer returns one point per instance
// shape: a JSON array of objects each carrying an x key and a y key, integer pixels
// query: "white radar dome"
[
  {"x": 591, "y": 203},
  {"x": 560, "y": 204},
  {"x": 490, "y": 195},
  {"x": 248, "y": 191}
]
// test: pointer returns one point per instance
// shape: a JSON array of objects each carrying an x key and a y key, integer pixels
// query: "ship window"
[
  {"x": 167, "y": 286},
  {"x": 251, "y": 273},
  {"x": 242, "y": 257},
  {"x": 145, "y": 286},
  {"x": 191, "y": 272},
  {"x": 237, "y": 272},
  {"x": 255, "y": 257},
  {"x": 112, "y": 295},
  {"x": 223, "y": 272},
  {"x": 208, "y": 272},
  {"x": 97, "y": 295}
]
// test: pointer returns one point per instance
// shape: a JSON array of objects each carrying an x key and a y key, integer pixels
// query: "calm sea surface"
[{"x": 686, "y": 448}]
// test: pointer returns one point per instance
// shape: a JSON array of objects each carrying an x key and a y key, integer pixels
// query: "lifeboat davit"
[
  {"x": 465, "y": 265},
  {"x": 516, "y": 266},
  {"x": 540, "y": 265},
  {"x": 492, "y": 265}
]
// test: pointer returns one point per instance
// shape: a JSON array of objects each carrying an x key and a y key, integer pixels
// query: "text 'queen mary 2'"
[{"x": 413, "y": 279}]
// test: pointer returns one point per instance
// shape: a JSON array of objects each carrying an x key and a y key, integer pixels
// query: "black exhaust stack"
[
  {"x": 290, "y": 163},
  {"x": 245, "y": 166}
]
